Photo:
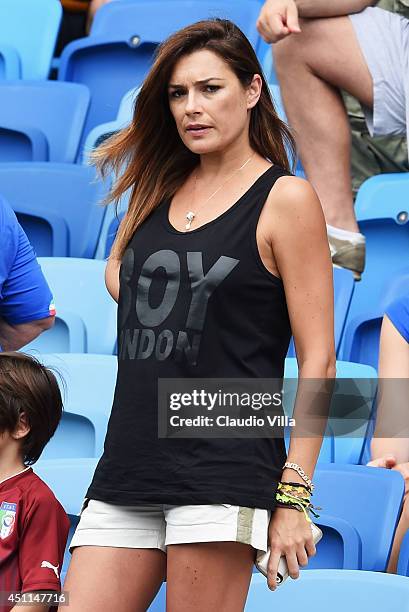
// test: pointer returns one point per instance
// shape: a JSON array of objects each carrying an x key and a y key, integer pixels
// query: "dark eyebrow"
[{"x": 202, "y": 82}]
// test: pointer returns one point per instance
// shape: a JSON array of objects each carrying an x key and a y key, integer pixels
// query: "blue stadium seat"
[
  {"x": 124, "y": 117},
  {"x": 81, "y": 432},
  {"x": 383, "y": 215},
  {"x": 123, "y": 39},
  {"x": 80, "y": 295},
  {"x": 57, "y": 205},
  {"x": 267, "y": 63},
  {"x": 403, "y": 561},
  {"x": 343, "y": 292},
  {"x": 31, "y": 29},
  {"x": 360, "y": 510},
  {"x": 58, "y": 110},
  {"x": 10, "y": 63},
  {"x": 335, "y": 590},
  {"x": 20, "y": 143},
  {"x": 278, "y": 103},
  {"x": 362, "y": 334},
  {"x": 344, "y": 440},
  {"x": 69, "y": 480},
  {"x": 122, "y": 18}
]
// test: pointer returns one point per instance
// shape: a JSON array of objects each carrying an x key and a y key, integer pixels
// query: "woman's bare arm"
[
  {"x": 392, "y": 407},
  {"x": 301, "y": 252},
  {"x": 112, "y": 277}
]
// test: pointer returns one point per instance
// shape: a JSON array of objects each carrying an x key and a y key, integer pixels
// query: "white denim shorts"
[
  {"x": 156, "y": 525},
  {"x": 384, "y": 41}
]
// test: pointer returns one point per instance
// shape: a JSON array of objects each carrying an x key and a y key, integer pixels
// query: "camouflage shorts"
[{"x": 379, "y": 154}]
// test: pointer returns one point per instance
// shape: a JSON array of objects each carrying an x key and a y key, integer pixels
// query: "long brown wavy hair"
[{"x": 149, "y": 158}]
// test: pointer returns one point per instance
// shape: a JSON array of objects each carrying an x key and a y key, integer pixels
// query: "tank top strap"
[{"x": 248, "y": 215}]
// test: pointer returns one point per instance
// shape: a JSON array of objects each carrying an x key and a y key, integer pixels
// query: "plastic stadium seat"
[
  {"x": 31, "y": 29},
  {"x": 382, "y": 211},
  {"x": 10, "y": 63},
  {"x": 124, "y": 117},
  {"x": 343, "y": 292},
  {"x": 118, "y": 53},
  {"x": 58, "y": 205},
  {"x": 81, "y": 432},
  {"x": 69, "y": 480},
  {"x": 278, "y": 103},
  {"x": 335, "y": 590},
  {"x": 121, "y": 17},
  {"x": 279, "y": 107},
  {"x": 22, "y": 144},
  {"x": 362, "y": 335},
  {"x": 360, "y": 510},
  {"x": 403, "y": 561},
  {"x": 56, "y": 109},
  {"x": 80, "y": 295},
  {"x": 344, "y": 439}
]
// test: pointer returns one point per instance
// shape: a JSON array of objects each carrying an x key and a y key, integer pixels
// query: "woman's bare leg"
[
  {"x": 107, "y": 578},
  {"x": 401, "y": 529},
  {"x": 311, "y": 68},
  {"x": 208, "y": 576}
]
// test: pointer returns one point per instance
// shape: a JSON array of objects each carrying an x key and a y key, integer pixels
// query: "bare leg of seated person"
[{"x": 311, "y": 68}]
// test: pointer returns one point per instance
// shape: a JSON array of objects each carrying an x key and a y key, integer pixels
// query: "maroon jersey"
[{"x": 33, "y": 533}]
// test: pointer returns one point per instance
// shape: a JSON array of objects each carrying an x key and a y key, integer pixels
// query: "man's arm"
[
  {"x": 332, "y": 8},
  {"x": 26, "y": 302},
  {"x": 279, "y": 18},
  {"x": 13, "y": 337}
]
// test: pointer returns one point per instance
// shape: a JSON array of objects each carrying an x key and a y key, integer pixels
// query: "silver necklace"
[{"x": 190, "y": 215}]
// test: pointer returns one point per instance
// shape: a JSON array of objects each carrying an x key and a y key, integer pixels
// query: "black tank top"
[{"x": 194, "y": 304}]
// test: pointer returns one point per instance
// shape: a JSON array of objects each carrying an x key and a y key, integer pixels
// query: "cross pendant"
[{"x": 189, "y": 216}]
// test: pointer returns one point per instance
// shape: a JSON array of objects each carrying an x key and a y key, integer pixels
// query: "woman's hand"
[
  {"x": 387, "y": 461},
  {"x": 289, "y": 534}
]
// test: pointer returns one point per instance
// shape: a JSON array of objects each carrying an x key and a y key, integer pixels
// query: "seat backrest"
[
  {"x": 57, "y": 109},
  {"x": 22, "y": 145},
  {"x": 383, "y": 215},
  {"x": 10, "y": 62},
  {"x": 109, "y": 68},
  {"x": 335, "y": 590},
  {"x": 367, "y": 498},
  {"x": 78, "y": 287},
  {"x": 85, "y": 405},
  {"x": 362, "y": 333},
  {"x": 155, "y": 20},
  {"x": 100, "y": 132},
  {"x": 68, "y": 479},
  {"x": 32, "y": 29},
  {"x": 58, "y": 205}
]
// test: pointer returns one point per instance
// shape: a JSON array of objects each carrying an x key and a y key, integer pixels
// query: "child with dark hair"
[{"x": 33, "y": 525}]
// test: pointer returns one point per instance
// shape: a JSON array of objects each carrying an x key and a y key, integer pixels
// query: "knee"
[{"x": 299, "y": 49}]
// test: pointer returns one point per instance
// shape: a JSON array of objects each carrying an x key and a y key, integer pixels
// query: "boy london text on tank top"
[{"x": 195, "y": 304}]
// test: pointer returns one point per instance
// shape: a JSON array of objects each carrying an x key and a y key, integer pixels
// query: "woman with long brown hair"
[{"x": 221, "y": 256}]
